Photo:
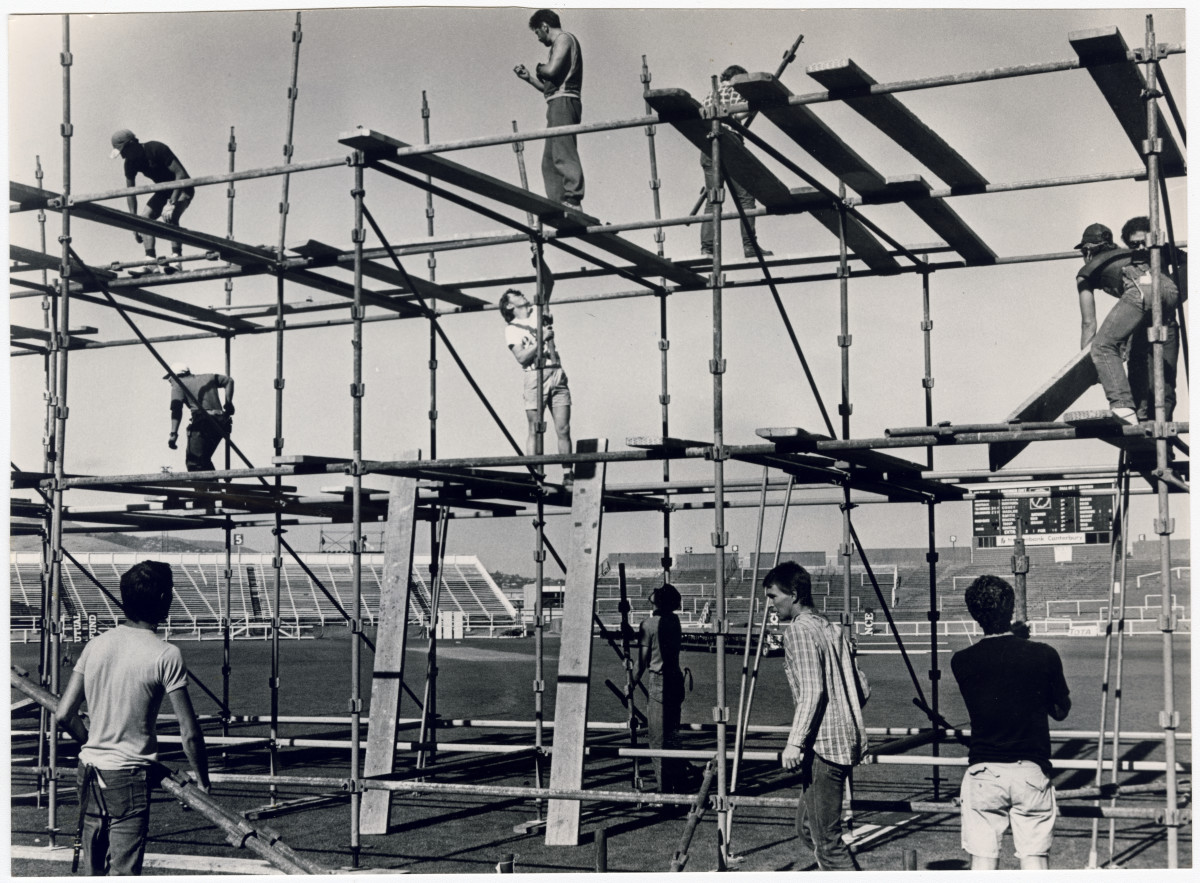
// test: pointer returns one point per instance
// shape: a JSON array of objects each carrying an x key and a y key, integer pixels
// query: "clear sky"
[{"x": 186, "y": 78}]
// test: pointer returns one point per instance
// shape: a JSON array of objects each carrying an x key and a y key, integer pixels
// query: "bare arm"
[
  {"x": 193, "y": 738},
  {"x": 523, "y": 72},
  {"x": 176, "y": 168},
  {"x": 555, "y": 69},
  {"x": 1087, "y": 313},
  {"x": 71, "y": 699},
  {"x": 228, "y": 394}
]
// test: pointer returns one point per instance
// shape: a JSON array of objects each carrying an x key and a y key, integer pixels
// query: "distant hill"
[{"x": 115, "y": 542}]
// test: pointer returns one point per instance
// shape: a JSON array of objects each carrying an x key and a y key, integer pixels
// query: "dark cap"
[{"x": 1095, "y": 234}]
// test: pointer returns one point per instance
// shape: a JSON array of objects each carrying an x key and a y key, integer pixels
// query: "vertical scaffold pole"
[
  {"x": 1163, "y": 526},
  {"x": 1116, "y": 563},
  {"x": 60, "y": 345},
  {"x": 719, "y": 538},
  {"x": 436, "y": 538},
  {"x": 50, "y": 324},
  {"x": 227, "y": 612},
  {"x": 664, "y": 342},
  {"x": 277, "y": 559},
  {"x": 931, "y": 556},
  {"x": 1123, "y": 489},
  {"x": 356, "y": 396}
]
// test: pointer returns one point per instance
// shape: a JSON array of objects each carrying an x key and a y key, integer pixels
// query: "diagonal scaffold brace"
[{"x": 262, "y": 841}]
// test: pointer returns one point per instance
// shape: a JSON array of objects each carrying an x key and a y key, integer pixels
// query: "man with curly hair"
[{"x": 1009, "y": 685}]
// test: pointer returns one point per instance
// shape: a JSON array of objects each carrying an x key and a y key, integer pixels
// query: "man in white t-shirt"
[
  {"x": 521, "y": 335},
  {"x": 124, "y": 674}
]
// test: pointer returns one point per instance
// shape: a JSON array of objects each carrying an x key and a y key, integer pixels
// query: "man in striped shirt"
[{"x": 828, "y": 736}]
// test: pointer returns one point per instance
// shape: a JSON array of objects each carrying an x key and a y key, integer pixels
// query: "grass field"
[{"x": 492, "y": 679}]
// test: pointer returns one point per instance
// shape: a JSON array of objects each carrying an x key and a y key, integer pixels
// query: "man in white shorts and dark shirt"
[
  {"x": 124, "y": 674},
  {"x": 521, "y": 336},
  {"x": 1009, "y": 684}
]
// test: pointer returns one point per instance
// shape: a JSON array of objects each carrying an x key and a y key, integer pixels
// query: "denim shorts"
[{"x": 995, "y": 795}]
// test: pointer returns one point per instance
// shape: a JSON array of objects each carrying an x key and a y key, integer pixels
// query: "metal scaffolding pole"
[
  {"x": 719, "y": 538},
  {"x": 1163, "y": 524},
  {"x": 664, "y": 342},
  {"x": 278, "y": 531},
  {"x": 61, "y": 351},
  {"x": 1123, "y": 487},
  {"x": 227, "y": 611},
  {"x": 356, "y": 395}
]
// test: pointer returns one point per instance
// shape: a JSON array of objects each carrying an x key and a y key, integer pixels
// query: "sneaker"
[
  {"x": 144, "y": 271},
  {"x": 748, "y": 251},
  {"x": 168, "y": 269},
  {"x": 573, "y": 205},
  {"x": 706, "y": 251},
  {"x": 1126, "y": 415}
]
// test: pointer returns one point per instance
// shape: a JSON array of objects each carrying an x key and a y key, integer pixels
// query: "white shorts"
[{"x": 996, "y": 794}]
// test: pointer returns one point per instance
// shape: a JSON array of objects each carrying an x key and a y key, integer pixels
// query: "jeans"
[
  {"x": 663, "y": 712},
  {"x": 739, "y": 192},
  {"x": 1128, "y": 321},
  {"x": 204, "y": 435},
  {"x": 562, "y": 172},
  {"x": 115, "y": 823},
  {"x": 819, "y": 812}
]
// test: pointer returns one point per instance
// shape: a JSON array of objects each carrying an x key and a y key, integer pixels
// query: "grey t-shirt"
[{"x": 126, "y": 672}]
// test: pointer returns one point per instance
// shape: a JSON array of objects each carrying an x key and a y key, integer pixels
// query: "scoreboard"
[{"x": 1056, "y": 514}]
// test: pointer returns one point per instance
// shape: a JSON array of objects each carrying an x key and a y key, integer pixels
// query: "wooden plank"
[
  {"x": 807, "y": 129},
  {"x": 1120, "y": 81},
  {"x": 859, "y": 240},
  {"x": 21, "y": 332},
  {"x": 41, "y": 261},
  {"x": 1047, "y": 403},
  {"x": 575, "y": 655},
  {"x": 1109, "y": 428},
  {"x": 328, "y": 255},
  {"x": 682, "y": 111},
  {"x": 941, "y": 218},
  {"x": 668, "y": 444},
  {"x": 380, "y": 146},
  {"x": 390, "y": 638},
  {"x": 846, "y": 80}
]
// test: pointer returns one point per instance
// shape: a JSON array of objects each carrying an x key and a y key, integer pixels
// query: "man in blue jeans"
[
  {"x": 1125, "y": 274},
  {"x": 827, "y": 737},
  {"x": 124, "y": 674}
]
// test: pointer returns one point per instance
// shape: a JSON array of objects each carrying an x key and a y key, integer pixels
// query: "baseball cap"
[
  {"x": 120, "y": 138},
  {"x": 180, "y": 369},
  {"x": 1095, "y": 234}
]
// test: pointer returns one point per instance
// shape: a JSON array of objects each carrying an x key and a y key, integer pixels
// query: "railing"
[
  {"x": 1101, "y": 604},
  {"x": 1176, "y": 571}
]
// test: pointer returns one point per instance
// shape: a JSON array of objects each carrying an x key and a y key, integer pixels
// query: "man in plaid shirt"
[
  {"x": 827, "y": 737},
  {"x": 727, "y": 95}
]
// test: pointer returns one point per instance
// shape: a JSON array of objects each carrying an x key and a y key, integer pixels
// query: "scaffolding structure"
[{"x": 501, "y": 486}]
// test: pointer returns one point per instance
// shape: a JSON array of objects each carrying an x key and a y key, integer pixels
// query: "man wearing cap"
[
  {"x": 1125, "y": 274},
  {"x": 158, "y": 163},
  {"x": 210, "y": 422}
]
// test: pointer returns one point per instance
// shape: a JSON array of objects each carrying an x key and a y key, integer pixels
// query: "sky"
[{"x": 187, "y": 78}]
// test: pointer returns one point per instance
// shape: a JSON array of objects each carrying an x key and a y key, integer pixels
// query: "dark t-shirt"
[
  {"x": 1105, "y": 272},
  {"x": 155, "y": 164},
  {"x": 1009, "y": 685}
]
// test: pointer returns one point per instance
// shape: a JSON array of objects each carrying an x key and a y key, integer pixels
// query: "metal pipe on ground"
[{"x": 264, "y": 844}]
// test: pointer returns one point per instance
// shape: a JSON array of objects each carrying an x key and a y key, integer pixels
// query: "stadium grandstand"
[{"x": 91, "y": 588}]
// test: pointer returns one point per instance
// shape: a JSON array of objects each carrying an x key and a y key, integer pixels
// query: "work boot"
[
  {"x": 1126, "y": 415},
  {"x": 748, "y": 251}
]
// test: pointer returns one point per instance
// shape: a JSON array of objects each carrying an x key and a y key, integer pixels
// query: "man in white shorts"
[
  {"x": 1010, "y": 685},
  {"x": 521, "y": 335}
]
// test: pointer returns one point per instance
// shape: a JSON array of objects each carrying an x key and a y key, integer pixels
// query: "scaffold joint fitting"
[
  {"x": 1166, "y": 622},
  {"x": 931, "y": 557},
  {"x": 273, "y": 683},
  {"x": 927, "y": 325},
  {"x": 278, "y": 442},
  {"x": 927, "y": 382},
  {"x": 716, "y": 366},
  {"x": 664, "y": 399},
  {"x": 1020, "y": 564},
  {"x": 357, "y": 235},
  {"x": 1164, "y": 531},
  {"x": 935, "y": 674},
  {"x": 844, "y": 340},
  {"x": 355, "y": 705},
  {"x": 719, "y": 539},
  {"x": 1168, "y": 722},
  {"x": 1157, "y": 334},
  {"x": 845, "y": 409},
  {"x": 720, "y": 714},
  {"x": 356, "y": 625},
  {"x": 358, "y": 390},
  {"x": 654, "y": 183},
  {"x": 539, "y": 556},
  {"x": 66, "y": 130},
  {"x": 1152, "y": 146},
  {"x": 664, "y": 344},
  {"x": 279, "y": 383},
  {"x": 539, "y": 686},
  {"x": 433, "y": 415},
  {"x": 933, "y": 615},
  {"x": 717, "y": 453}
]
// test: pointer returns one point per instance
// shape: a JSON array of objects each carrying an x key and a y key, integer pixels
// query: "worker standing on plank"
[
  {"x": 209, "y": 423},
  {"x": 560, "y": 80},
  {"x": 158, "y": 163}
]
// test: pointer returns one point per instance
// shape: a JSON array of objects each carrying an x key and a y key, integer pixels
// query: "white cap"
[{"x": 179, "y": 369}]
